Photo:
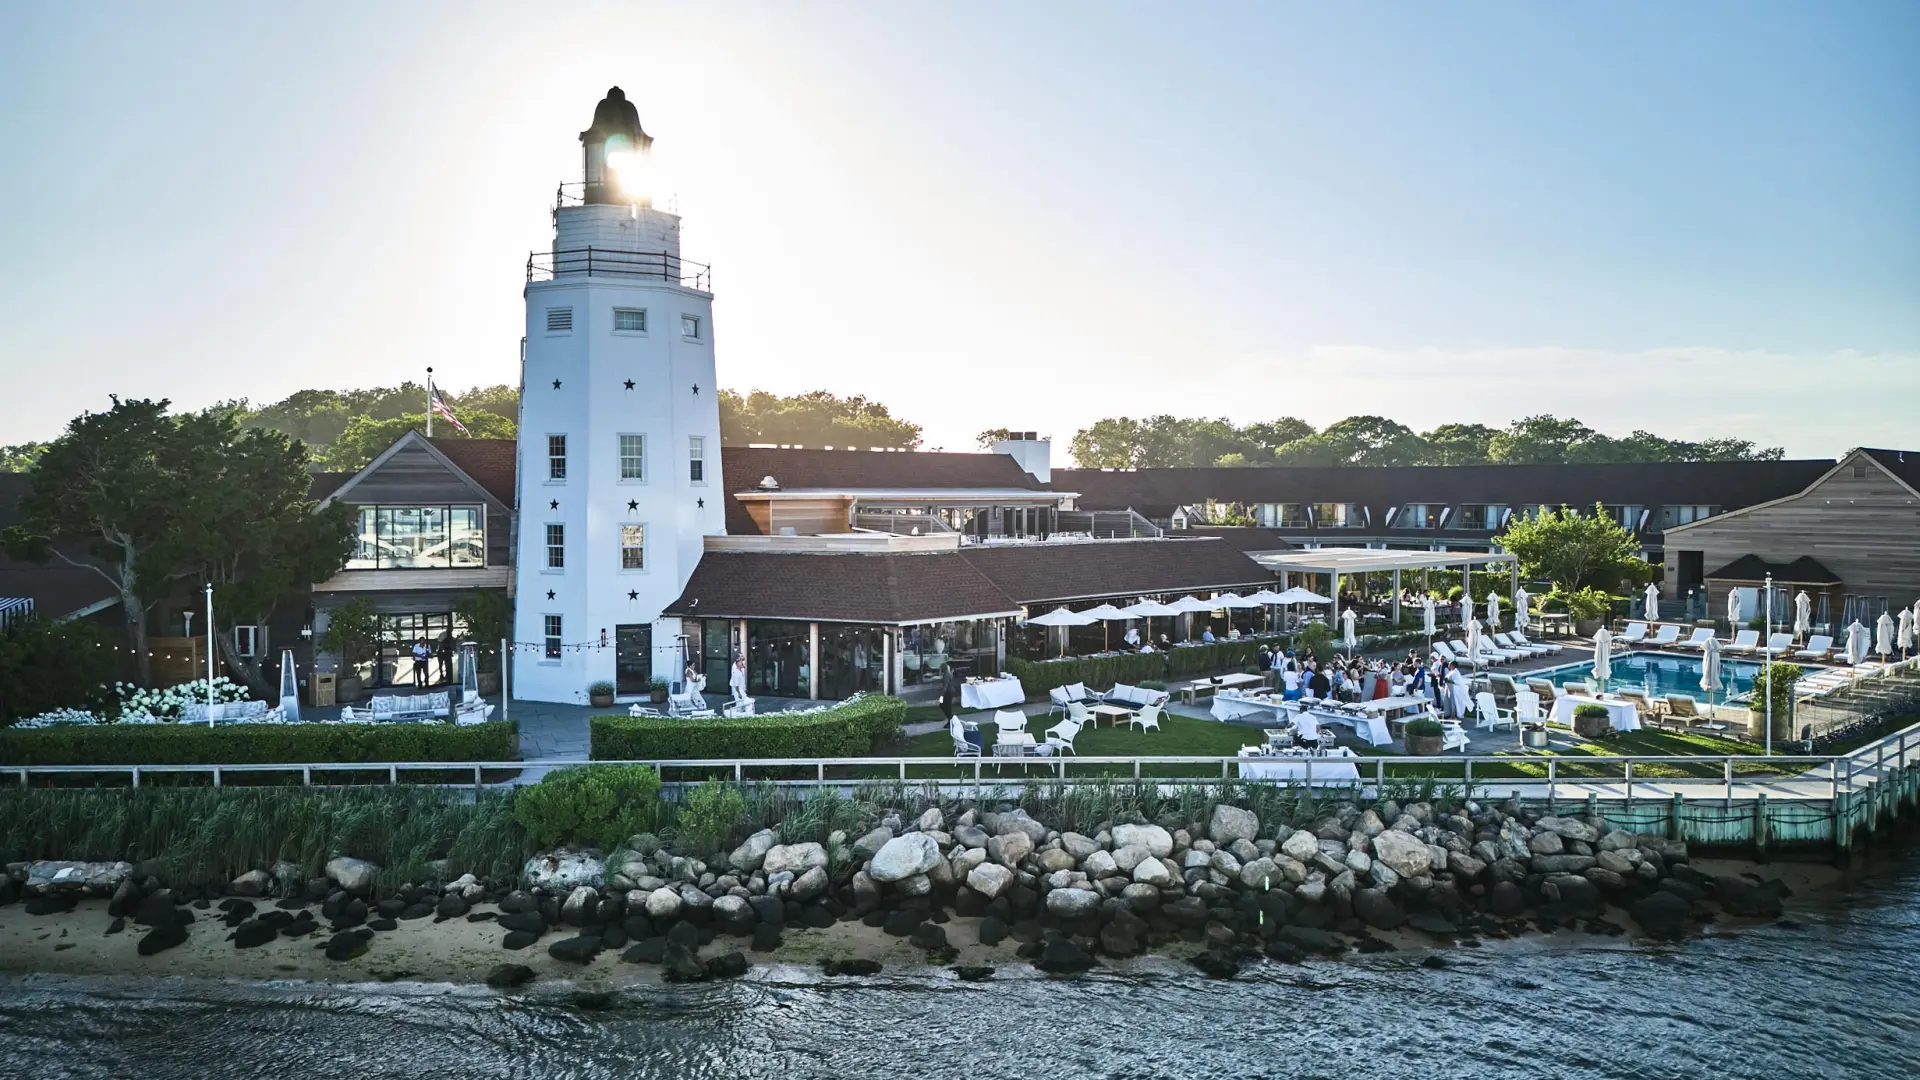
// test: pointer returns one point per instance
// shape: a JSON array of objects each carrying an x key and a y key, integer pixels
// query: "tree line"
[{"x": 1172, "y": 442}]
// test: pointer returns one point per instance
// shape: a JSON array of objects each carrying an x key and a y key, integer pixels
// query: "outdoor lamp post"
[
  {"x": 209, "y": 654},
  {"x": 1766, "y": 604}
]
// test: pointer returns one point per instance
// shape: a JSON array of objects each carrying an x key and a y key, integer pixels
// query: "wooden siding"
[
  {"x": 1864, "y": 529},
  {"x": 414, "y": 476}
]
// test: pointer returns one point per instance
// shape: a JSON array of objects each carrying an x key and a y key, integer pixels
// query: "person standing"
[
  {"x": 421, "y": 656},
  {"x": 949, "y": 691},
  {"x": 737, "y": 678}
]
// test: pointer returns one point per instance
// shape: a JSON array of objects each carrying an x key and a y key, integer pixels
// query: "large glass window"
[
  {"x": 419, "y": 538},
  {"x": 633, "y": 457},
  {"x": 1418, "y": 516},
  {"x": 778, "y": 661},
  {"x": 1282, "y": 515},
  {"x": 1683, "y": 515},
  {"x": 1484, "y": 516},
  {"x": 928, "y": 649},
  {"x": 852, "y": 660},
  {"x": 1337, "y": 516}
]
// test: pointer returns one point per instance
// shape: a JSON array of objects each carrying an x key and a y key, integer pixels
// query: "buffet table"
[
  {"x": 992, "y": 693},
  {"x": 1332, "y": 769}
]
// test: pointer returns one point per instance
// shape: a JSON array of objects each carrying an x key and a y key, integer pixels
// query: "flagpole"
[{"x": 429, "y": 403}]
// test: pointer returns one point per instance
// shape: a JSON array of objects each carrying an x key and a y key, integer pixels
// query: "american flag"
[{"x": 438, "y": 403}]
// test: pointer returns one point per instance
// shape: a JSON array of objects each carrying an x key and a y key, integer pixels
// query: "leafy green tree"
[
  {"x": 353, "y": 629},
  {"x": 365, "y": 438},
  {"x": 987, "y": 438},
  {"x": 1458, "y": 444},
  {"x": 817, "y": 418},
  {"x": 1269, "y": 436},
  {"x": 489, "y": 618},
  {"x": 20, "y": 457},
  {"x": 1575, "y": 550},
  {"x": 1540, "y": 440},
  {"x": 1357, "y": 440}
]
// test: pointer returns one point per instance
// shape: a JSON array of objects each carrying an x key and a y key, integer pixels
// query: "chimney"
[{"x": 1030, "y": 452}]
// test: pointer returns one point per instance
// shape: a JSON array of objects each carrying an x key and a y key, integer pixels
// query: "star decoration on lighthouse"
[
  {"x": 549, "y": 594},
  {"x": 701, "y": 503},
  {"x": 696, "y": 389},
  {"x": 553, "y": 504},
  {"x": 629, "y": 384},
  {"x": 556, "y": 384},
  {"x": 633, "y": 504},
  {"x": 633, "y": 594}
]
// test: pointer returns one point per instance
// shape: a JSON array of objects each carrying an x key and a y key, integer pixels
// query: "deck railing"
[{"x": 608, "y": 262}]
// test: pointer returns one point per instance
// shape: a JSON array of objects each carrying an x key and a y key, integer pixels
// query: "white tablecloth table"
[
  {"x": 1330, "y": 770},
  {"x": 1621, "y": 714},
  {"x": 1235, "y": 707},
  {"x": 1370, "y": 726},
  {"x": 992, "y": 694}
]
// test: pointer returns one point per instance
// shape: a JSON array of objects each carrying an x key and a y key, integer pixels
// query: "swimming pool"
[{"x": 1660, "y": 674}]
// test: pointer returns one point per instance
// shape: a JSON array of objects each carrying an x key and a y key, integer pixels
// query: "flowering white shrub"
[
  {"x": 57, "y": 718},
  {"x": 143, "y": 706}
]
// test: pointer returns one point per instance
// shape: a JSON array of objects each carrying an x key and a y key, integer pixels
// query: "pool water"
[{"x": 1660, "y": 674}]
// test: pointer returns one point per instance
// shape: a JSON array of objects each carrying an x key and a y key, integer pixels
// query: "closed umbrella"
[
  {"x": 1710, "y": 669},
  {"x": 1493, "y": 611},
  {"x": 1426, "y": 614},
  {"x": 1802, "y": 615},
  {"x": 1602, "y": 655},
  {"x": 1347, "y": 619},
  {"x": 1856, "y": 643},
  {"x": 1652, "y": 614},
  {"x": 1906, "y": 629},
  {"x": 1733, "y": 611},
  {"x": 1883, "y": 635},
  {"x": 1521, "y": 619},
  {"x": 1473, "y": 641}
]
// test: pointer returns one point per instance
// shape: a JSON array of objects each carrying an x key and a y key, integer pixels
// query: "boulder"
[
  {"x": 727, "y": 966},
  {"x": 560, "y": 872},
  {"x": 682, "y": 965},
  {"x": 1465, "y": 867},
  {"x": 1311, "y": 940},
  {"x": 1190, "y": 911},
  {"x": 1301, "y": 846},
  {"x": 1120, "y": 939},
  {"x": 451, "y": 906},
  {"x": 580, "y": 906},
  {"x": 1662, "y": 914},
  {"x": 346, "y": 945},
  {"x": 575, "y": 950},
  {"x": 1099, "y": 864},
  {"x": 1018, "y": 821},
  {"x": 1546, "y": 843},
  {"x": 1078, "y": 845},
  {"x": 903, "y": 857},
  {"x": 971, "y": 836},
  {"x": 929, "y": 936},
  {"x": 251, "y": 883},
  {"x": 1157, "y": 841},
  {"x": 519, "y": 939},
  {"x": 508, "y": 976},
  {"x": 663, "y": 903},
  {"x": 1061, "y": 956},
  {"x": 1231, "y": 823},
  {"x": 530, "y": 921},
  {"x": 1125, "y": 859},
  {"x": 1261, "y": 873},
  {"x": 1152, "y": 872},
  {"x": 1072, "y": 903},
  {"x": 793, "y": 858},
  {"x": 808, "y": 885},
  {"x": 353, "y": 875},
  {"x": 931, "y": 820},
  {"x": 56, "y": 875},
  {"x": 990, "y": 879},
  {"x": 1218, "y": 962},
  {"x": 917, "y": 885},
  {"x": 869, "y": 845},
  {"x": 1506, "y": 900},
  {"x": 1225, "y": 863},
  {"x": 1053, "y": 860},
  {"x": 1009, "y": 849},
  {"x": 1401, "y": 853},
  {"x": 1375, "y": 908},
  {"x": 1568, "y": 829},
  {"x": 733, "y": 913},
  {"x": 255, "y": 933},
  {"x": 751, "y": 855}
]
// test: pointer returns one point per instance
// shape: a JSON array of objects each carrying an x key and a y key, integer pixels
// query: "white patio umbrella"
[
  {"x": 1856, "y": 643},
  {"x": 1347, "y": 619},
  {"x": 1652, "y": 614},
  {"x": 1493, "y": 611},
  {"x": 1267, "y": 598},
  {"x": 1062, "y": 617},
  {"x": 1473, "y": 641},
  {"x": 1802, "y": 615},
  {"x": 1234, "y": 600},
  {"x": 1883, "y": 635},
  {"x": 1106, "y": 613},
  {"x": 1148, "y": 610},
  {"x": 1190, "y": 605},
  {"x": 1906, "y": 629},
  {"x": 1298, "y": 595},
  {"x": 1710, "y": 669},
  {"x": 1602, "y": 655},
  {"x": 1733, "y": 611},
  {"x": 1521, "y": 618}
]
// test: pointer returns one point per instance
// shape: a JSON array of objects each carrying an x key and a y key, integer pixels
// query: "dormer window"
[
  {"x": 1482, "y": 517},
  {"x": 1418, "y": 516},
  {"x": 1337, "y": 516}
]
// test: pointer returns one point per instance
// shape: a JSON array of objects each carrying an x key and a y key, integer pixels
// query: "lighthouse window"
[
  {"x": 556, "y": 547},
  {"x": 556, "y": 457},
  {"x": 690, "y": 327},
  {"x": 559, "y": 320},
  {"x": 696, "y": 459},
  {"x": 633, "y": 547},
  {"x": 633, "y": 457},
  {"x": 629, "y": 320}
]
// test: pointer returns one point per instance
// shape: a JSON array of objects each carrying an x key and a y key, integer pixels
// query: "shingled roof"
[
  {"x": 1804, "y": 570},
  {"x": 490, "y": 462},
  {"x": 743, "y": 467},
  {"x": 972, "y": 582}
]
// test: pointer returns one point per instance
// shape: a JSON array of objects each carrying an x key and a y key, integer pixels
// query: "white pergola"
[{"x": 1336, "y": 561}]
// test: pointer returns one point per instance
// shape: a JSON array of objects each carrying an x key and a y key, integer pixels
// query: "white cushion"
[{"x": 1078, "y": 691}]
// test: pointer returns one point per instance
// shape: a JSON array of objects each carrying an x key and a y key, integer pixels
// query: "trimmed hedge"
[
  {"x": 848, "y": 730},
  {"x": 253, "y": 744}
]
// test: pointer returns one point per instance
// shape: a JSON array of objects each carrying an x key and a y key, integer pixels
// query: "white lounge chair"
[
  {"x": 1148, "y": 718},
  {"x": 1061, "y": 735},
  {"x": 1746, "y": 641},
  {"x": 1494, "y": 654},
  {"x": 1779, "y": 644},
  {"x": 1492, "y": 716},
  {"x": 1506, "y": 641},
  {"x": 961, "y": 747},
  {"x": 1521, "y": 639},
  {"x": 1667, "y": 637},
  {"x": 1701, "y": 635},
  {"x": 1635, "y": 633},
  {"x": 1819, "y": 647}
]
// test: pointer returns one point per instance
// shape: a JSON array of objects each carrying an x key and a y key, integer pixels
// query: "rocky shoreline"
[{"x": 981, "y": 892}]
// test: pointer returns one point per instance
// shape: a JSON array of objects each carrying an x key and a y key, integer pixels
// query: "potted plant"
[
  {"x": 1591, "y": 721},
  {"x": 1776, "y": 681},
  {"x": 657, "y": 690},
  {"x": 600, "y": 694},
  {"x": 1424, "y": 737},
  {"x": 1588, "y": 606},
  {"x": 352, "y": 630}
]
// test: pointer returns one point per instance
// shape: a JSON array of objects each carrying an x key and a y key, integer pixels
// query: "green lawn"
[{"x": 1178, "y": 736}]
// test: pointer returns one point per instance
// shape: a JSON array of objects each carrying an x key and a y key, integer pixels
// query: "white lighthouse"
[{"x": 619, "y": 453}]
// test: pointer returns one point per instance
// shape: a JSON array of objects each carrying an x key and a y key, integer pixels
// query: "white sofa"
[
  {"x": 411, "y": 707},
  {"x": 1137, "y": 696}
]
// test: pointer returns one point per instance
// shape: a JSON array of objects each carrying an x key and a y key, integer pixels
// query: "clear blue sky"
[{"x": 1702, "y": 219}]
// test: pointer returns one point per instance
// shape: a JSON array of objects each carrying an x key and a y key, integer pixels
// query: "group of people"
[{"x": 1362, "y": 679}]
